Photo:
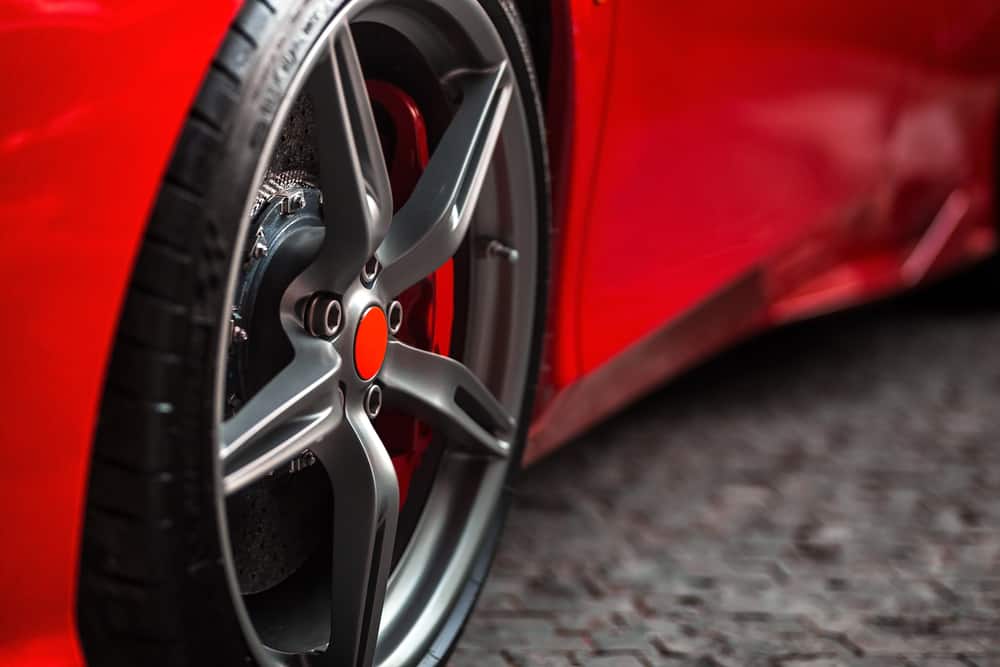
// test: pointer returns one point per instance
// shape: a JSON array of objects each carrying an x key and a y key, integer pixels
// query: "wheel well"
[{"x": 537, "y": 18}]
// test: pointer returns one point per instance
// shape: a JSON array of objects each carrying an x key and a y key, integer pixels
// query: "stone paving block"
[
  {"x": 463, "y": 657},
  {"x": 827, "y": 495},
  {"x": 614, "y": 660},
  {"x": 538, "y": 658}
]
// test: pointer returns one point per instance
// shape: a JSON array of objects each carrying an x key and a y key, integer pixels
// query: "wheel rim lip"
[{"x": 396, "y": 643}]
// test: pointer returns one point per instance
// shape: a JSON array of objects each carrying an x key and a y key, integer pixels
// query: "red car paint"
[
  {"x": 809, "y": 156},
  {"x": 103, "y": 88},
  {"x": 719, "y": 167}
]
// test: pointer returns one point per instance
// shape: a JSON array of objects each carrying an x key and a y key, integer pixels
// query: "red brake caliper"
[{"x": 428, "y": 305}]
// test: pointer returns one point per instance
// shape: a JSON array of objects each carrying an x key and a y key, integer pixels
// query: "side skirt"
[{"x": 736, "y": 311}]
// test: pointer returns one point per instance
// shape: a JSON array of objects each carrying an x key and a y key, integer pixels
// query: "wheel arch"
[{"x": 537, "y": 17}]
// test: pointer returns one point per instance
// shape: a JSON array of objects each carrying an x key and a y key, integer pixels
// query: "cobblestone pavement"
[{"x": 825, "y": 495}]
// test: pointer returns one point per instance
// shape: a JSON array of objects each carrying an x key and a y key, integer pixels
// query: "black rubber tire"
[{"x": 153, "y": 589}]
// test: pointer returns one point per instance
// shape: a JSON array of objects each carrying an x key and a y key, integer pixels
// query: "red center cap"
[{"x": 370, "y": 343}]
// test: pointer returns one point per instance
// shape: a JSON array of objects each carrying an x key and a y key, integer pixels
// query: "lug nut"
[
  {"x": 373, "y": 401},
  {"x": 370, "y": 271},
  {"x": 323, "y": 316},
  {"x": 395, "y": 317}
]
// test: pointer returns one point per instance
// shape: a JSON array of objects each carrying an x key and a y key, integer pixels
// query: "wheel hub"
[{"x": 356, "y": 323}]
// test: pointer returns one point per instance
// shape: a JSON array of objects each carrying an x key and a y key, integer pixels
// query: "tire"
[{"x": 159, "y": 577}]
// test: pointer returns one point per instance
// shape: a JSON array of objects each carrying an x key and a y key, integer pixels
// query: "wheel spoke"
[
  {"x": 430, "y": 227},
  {"x": 446, "y": 395},
  {"x": 365, "y": 512},
  {"x": 357, "y": 198},
  {"x": 295, "y": 409}
]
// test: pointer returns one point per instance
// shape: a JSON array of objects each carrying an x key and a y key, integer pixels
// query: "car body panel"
[
  {"x": 717, "y": 169},
  {"x": 812, "y": 156}
]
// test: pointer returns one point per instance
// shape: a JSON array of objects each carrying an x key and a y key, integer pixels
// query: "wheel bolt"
[
  {"x": 373, "y": 401},
  {"x": 370, "y": 271},
  {"x": 395, "y": 317},
  {"x": 502, "y": 251},
  {"x": 323, "y": 316}
]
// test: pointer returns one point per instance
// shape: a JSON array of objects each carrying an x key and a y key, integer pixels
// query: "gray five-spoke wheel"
[{"x": 361, "y": 256}]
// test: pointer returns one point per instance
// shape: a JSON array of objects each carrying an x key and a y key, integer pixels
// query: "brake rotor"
[{"x": 272, "y": 535}]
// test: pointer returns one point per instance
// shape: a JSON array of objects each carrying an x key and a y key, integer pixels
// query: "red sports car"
[{"x": 293, "y": 287}]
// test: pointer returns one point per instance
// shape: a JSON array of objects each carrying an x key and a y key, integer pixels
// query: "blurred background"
[{"x": 826, "y": 494}]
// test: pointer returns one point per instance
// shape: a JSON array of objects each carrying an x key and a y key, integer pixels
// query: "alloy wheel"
[{"x": 337, "y": 257}]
